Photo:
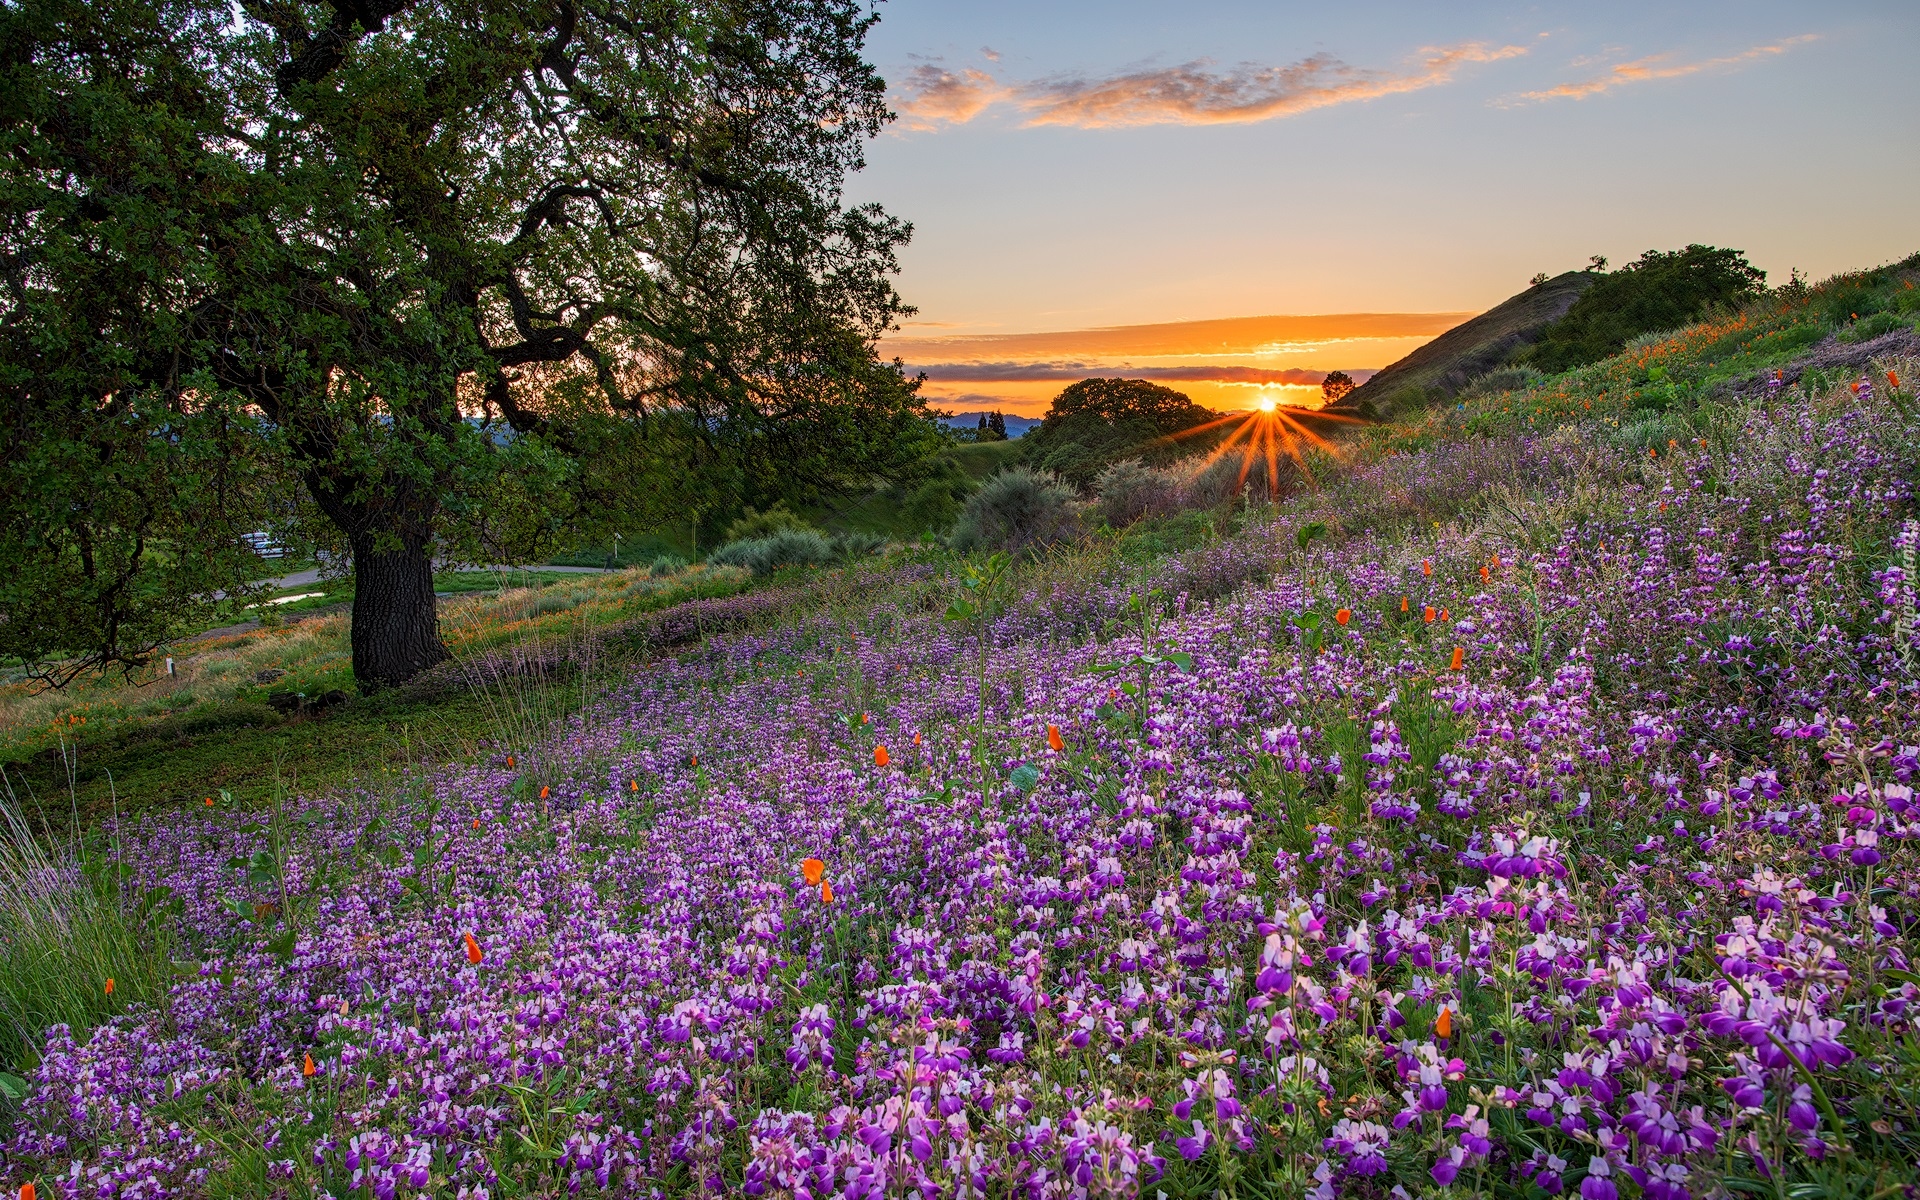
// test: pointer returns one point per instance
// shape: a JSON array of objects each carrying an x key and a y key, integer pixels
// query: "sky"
[{"x": 1234, "y": 198}]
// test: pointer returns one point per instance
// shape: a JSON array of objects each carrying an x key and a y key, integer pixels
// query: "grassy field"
[{"x": 155, "y": 739}]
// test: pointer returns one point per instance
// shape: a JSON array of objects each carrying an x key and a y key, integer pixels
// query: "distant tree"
[
  {"x": 998, "y": 425},
  {"x": 1597, "y": 263},
  {"x": 1335, "y": 386},
  {"x": 1097, "y": 422},
  {"x": 1660, "y": 291},
  {"x": 1539, "y": 278},
  {"x": 983, "y": 427}
]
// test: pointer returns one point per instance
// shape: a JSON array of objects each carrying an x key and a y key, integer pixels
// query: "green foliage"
[
  {"x": 1869, "y": 327},
  {"x": 1129, "y": 491},
  {"x": 70, "y": 920},
  {"x": 447, "y": 273},
  {"x": 785, "y": 547},
  {"x": 666, "y": 564},
  {"x": 1014, "y": 511},
  {"x": 929, "y": 497},
  {"x": 1663, "y": 290},
  {"x": 1097, "y": 422},
  {"x": 1335, "y": 386},
  {"x": 754, "y": 524}
]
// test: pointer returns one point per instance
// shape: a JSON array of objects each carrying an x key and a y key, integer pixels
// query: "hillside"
[
  {"x": 1524, "y": 810},
  {"x": 1445, "y": 365}
]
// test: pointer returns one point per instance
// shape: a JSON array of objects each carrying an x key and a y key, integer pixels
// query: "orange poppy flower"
[
  {"x": 476, "y": 822},
  {"x": 1459, "y": 659},
  {"x": 916, "y": 737},
  {"x": 306, "y": 1066},
  {"x": 826, "y": 892},
  {"x": 109, "y": 987},
  {"x": 1443, "y": 1024},
  {"x": 696, "y": 760},
  {"x": 863, "y": 718},
  {"x": 1403, "y": 604},
  {"x": 474, "y": 953},
  {"x": 1893, "y": 380},
  {"x": 1053, "y": 738},
  {"x": 1486, "y": 576},
  {"x": 633, "y": 785},
  {"x": 509, "y": 762},
  {"x": 545, "y": 791},
  {"x": 208, "y": 801},
  {"x": 1426, "y": 567},
  {"x": 1430, "y": 614},
  {"x": 27, "y": 1192},
  {"x": 1443, "y": 614},
  {"x": 1496, "y": 560},
  {"x": 880, "y": 756},
  {"x": 1343, "y": 616},
  {"x": 812, "y": 870}
]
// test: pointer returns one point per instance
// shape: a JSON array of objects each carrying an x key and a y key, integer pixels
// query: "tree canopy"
[
  {"x": 424, "y": 273},
  {"x": 1096, "y": 422},
  {"x": 1662, "y": 290},
  {"x": 1335, "y": 386}
]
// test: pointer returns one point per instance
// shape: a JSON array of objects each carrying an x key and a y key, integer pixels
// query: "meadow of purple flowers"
[{"x": 1285, "y": 905}]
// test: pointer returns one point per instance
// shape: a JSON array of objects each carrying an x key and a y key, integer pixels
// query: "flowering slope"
[{"x": 1565, "y": 846}]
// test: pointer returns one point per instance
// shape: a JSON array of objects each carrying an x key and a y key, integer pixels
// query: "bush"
[
  {"x": 752, "y": 525},
  {"x": 1130, "y": 490},
  {"x": 1097, "y": 422},
  {"x": 1221, "y": 481},
  {"x": 1015, "y": 510},
  {"x": 782, "y": 548},
  {"x": 856, "y": 544},
  {"x": 1869, "y": 327},
  {"x": 930, "y": 498},
  {"x": 667, "y": 564}
]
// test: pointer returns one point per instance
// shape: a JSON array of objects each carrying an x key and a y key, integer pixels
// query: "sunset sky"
[{"x": 1232, "y": 198}]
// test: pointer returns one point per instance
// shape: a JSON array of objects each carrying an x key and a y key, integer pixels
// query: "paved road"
[{"x": 312, "y": 574}]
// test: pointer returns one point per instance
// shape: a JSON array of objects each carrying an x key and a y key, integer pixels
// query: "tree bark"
[{"x": 396, "y": 624}]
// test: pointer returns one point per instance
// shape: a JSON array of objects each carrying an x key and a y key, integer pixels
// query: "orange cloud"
[
  {"x": 1657, "y": 66},
  {"x": 1191, "y": 94},
  {"x": 1230, "y": 336}
]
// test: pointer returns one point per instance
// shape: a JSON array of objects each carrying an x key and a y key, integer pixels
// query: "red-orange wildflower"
[
  {"x": 307, "y": 1068},
  {"x": 27, "y": 1192},
  {"x": 916, "y": 737},
  {"x": 826, "y": 892},
  {"x": 1343, "y": 616},
  {"x": 509, "y": 762},
  {"x": 1403, "y": 604},
  {"x": 474, "y": 953},
  {"x": 811, "y": 870},
  {"x": 1893, "y": 380},
  {"x": 1053, "y": 738},
  {"x": 1486, "y": 576},
  {"x": 1459, "y": 659},
  {"x": 208, "y": 802},
  {"x": 1430, "y": 614},
  {"x": 1426, "y": 567},
  {"x": 1443, "y": 1024},
  {"x": 880, "y": 756},
  {"x": 545, "y": 791},
  {"x": 109, "y": 986}
]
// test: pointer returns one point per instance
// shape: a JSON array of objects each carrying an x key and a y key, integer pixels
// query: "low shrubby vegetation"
[{"x": 1520, "y": 806}]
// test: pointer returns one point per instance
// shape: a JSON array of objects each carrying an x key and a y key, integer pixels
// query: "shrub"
[
  {"x": 1129, "y": 490},
  {"x": 782, "y": 548},
  {"x": 1869, "y": 327},
  {"x": 1015, "y": 510},
  {"x": 667, "y": 564},
  {"x": 856, "y": 544},
  {"x": 931, "y": 497},
  {"x": 752, "y": 525},
  {"x": 1221, "y": 481}
]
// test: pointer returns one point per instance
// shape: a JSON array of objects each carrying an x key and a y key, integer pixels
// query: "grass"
[{"x": 208, "y": 727}]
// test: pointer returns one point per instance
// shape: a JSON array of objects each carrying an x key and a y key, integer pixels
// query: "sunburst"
[{"x": 1264, "y": 434}]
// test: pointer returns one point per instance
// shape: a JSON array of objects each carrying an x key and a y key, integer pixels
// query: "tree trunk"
[{"x": 396, "y": 626}]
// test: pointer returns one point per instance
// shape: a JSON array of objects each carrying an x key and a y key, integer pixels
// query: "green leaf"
[
  {"x": 238, "y": 906},
  {"x": 1024, "y": 777},
  {"x": 1181, "y": 659},
  {"x": 1309, "y": 533},
  {"x": 960, "y": 610},
  {"x": 282, "y": 947},
  {"x": 12, "y": 1086},
  {"x": 1131, "y": 689}
]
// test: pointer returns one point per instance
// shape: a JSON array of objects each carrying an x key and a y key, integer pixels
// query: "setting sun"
[{"x": 1268, "y": 404}]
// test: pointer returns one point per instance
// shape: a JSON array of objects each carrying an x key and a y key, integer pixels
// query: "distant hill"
[
  {"x": 1016, "y": 426},
  {"x": 1444, "y": 366}
]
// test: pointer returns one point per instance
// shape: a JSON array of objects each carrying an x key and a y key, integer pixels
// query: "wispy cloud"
[
  {"x": 1194, "y": 93},
  {"x": 1657, "y": 66}
]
